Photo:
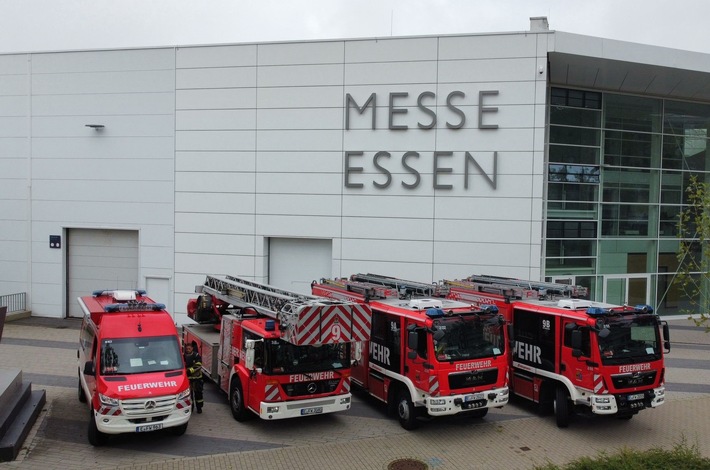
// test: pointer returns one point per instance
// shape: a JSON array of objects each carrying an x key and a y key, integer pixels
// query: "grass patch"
[{"x": 680, "y": 457}]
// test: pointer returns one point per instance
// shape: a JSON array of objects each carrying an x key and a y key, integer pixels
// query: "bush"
[{"x": 681, "y": 457}]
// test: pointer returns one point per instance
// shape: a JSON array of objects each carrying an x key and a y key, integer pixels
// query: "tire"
[
  {"x": 236, "y": 402},
  {"x": 96, "y": 437},
  {"x": 406, "y": 413},
  {"x": 178, "y": 430},
  {"x": 82, "y": 395},
  {"x": 561, "y": 405},
  {"x": 479, "y": 413}
]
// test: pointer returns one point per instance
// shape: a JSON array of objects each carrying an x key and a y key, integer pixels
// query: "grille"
[
  {"x": 137, "y": 407},
  {"x": 638, "y": 379},
  {"x": 316, "y": 387},
  {"x": 473, "y": 378}
]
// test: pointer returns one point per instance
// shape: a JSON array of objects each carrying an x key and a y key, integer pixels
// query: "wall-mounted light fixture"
[{"x": 96, "y": 127}]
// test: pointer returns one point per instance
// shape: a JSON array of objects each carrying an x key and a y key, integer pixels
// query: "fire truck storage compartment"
[{"x": 208, "y": 346}]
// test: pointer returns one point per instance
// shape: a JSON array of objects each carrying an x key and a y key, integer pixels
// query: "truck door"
[
  {"x": 360, "y": 359},
  {"x": 385, "y": 352},
  {"x": 419, "y": 369},
  {"x": 91, "y": 378},
  {"x": 580, "y": 370}
]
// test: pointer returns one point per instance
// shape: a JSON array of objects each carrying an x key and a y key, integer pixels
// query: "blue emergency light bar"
[
  {"x": 489, "y": 308},
  {"x": 599, "y": 311},
  {"x": 133, "y": 307},
  {"x": 434, "y": 312}
]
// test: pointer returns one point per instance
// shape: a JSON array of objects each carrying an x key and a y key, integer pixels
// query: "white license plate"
[
  {"x": 149, "y": 427},
  {"x": 312, "y": 411},
  {"x": 637, "y": 396},
  {"x": 474, "y": 397}
]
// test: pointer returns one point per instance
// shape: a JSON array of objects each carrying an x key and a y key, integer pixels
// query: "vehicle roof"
[{"x": 118, "y": 318}]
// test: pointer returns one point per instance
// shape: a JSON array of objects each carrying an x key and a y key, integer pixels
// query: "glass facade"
[{"x": 616, "y": 177}]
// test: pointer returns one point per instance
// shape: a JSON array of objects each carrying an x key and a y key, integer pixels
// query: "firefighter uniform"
[{"x": 193, "y": 364}]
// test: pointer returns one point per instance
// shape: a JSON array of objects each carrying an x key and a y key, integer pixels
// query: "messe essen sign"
[{"x": 410, "y": 161}]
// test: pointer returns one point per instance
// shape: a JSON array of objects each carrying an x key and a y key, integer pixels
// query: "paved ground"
[{"x": 362, "y": 438}]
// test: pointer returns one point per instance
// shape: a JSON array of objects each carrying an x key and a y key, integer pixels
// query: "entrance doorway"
[{"x": 627, "y": 289}]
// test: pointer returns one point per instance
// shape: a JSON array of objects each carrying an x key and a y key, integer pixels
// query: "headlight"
[
  {"x": 437, "y": 401},
  {"x": 272, "y": 409},
  {"x": 184, "y": 394},
  {"x": 108, "y": 400},
  {"x": 602, "y": 400},
  {"x": 345, "y": 400}
]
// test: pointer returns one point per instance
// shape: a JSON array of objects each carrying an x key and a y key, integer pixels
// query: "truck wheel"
[
  {"x": 561, "y": 406},
  {"x": 96, "y": 437},
  {"x": 236, "y": 402},
  {"x": 82, "y": 396},
  {"x": 178, "y": 430},
  {"x": 406, "y": 413}
]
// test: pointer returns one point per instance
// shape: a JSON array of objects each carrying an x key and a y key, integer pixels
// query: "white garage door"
[
  {"x": 295, "y": 262},
  {"x": 99, "y": 259}
]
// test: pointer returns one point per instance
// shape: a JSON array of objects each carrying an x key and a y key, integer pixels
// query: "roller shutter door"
[
  {"x": 99, "y": 259},
  {"x": 295, "y": 262}
]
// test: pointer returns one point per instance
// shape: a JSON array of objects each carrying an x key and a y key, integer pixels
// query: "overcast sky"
[{"x": 51, "y": 25}]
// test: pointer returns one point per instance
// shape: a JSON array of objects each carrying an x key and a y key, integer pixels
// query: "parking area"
[{"x": 515, "y": 437}]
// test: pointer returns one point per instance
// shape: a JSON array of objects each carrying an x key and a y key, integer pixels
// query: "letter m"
[{"x": 371, "y": 102}]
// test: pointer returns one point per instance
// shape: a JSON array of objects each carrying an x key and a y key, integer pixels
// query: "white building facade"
[{"x": 419, "y": 157}]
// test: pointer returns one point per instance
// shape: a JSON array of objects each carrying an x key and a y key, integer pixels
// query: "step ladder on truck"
[
  {"x": 276, "y": 353},
  {"x": 428, "y": 355},
  {"x": 569, "y": 354}
]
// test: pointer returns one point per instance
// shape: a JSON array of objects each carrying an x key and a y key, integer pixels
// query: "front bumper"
[
  {"x": 627, "y": 402},
  {"x": 311, "y": 406},
  {"x": 122, "y": 424},
  {"x": 455, "y": 404}
]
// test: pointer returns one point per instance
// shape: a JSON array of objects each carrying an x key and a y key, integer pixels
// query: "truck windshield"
[
  {"x": 139, "y": 355},
  {"x": 469, "y": 337},
  {"x": 630, "y": 341},
  {"x": 286, "y": 358}
]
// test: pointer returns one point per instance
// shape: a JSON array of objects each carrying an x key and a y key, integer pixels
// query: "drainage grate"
[{"x": 407, "y": 464}]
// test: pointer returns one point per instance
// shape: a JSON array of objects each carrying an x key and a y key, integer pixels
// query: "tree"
[{"x": 693, "y": 276}]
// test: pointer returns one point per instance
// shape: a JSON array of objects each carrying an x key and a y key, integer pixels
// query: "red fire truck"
[
  {"x": 571, "y": 354},
  {"x": 277, "y": 354},
  {"x": 131, "y": 369},
  {"x": 428, "y": 355}
]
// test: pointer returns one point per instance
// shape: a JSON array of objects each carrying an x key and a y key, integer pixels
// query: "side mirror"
[
  {"x": 666, "y": 338},
  {"x": 357, "y": 351},
  {"x": 413, "y": 340},
  {"x": 249, "y": 359},
  {"x": 89, "y": 368},
  {"x": 576, "y": 339}
]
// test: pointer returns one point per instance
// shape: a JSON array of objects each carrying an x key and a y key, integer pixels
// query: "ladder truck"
[
  {"x": 275, "y": 353},
  {"x": 428, "y": 355},
  {"x": 570, "y": 354}
]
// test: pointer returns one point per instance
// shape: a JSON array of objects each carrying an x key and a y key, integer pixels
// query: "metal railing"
[{"x": 14, "y": 302}]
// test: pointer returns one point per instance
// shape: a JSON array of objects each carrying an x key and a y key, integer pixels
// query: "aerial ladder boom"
[
  {"x": 303, "y": 319},
  {"x": 517, "y": 288},
  {"x": 405, "y": 288}
]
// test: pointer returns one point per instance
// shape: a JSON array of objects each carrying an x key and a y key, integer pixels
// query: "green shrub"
[{"x": 681, "y": 457}]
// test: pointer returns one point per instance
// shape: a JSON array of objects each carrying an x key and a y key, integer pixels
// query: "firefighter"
[{"x": 193, "y": 364}]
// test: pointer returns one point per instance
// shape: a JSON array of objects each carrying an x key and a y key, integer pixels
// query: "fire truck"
[
  {"x": 428, "y": 355},
  {"x": 571, "y": 354},
  {"x": 131, "y": 370},
  {"x": 277, "y": 354}
]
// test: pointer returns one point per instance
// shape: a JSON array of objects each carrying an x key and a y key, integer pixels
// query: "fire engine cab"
[
  {"x": 572, "y": 354},
  {"x": 428, "y": 355},
  {"x": 277, "y": 354},
  {"x": 131, "y": 370}
]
